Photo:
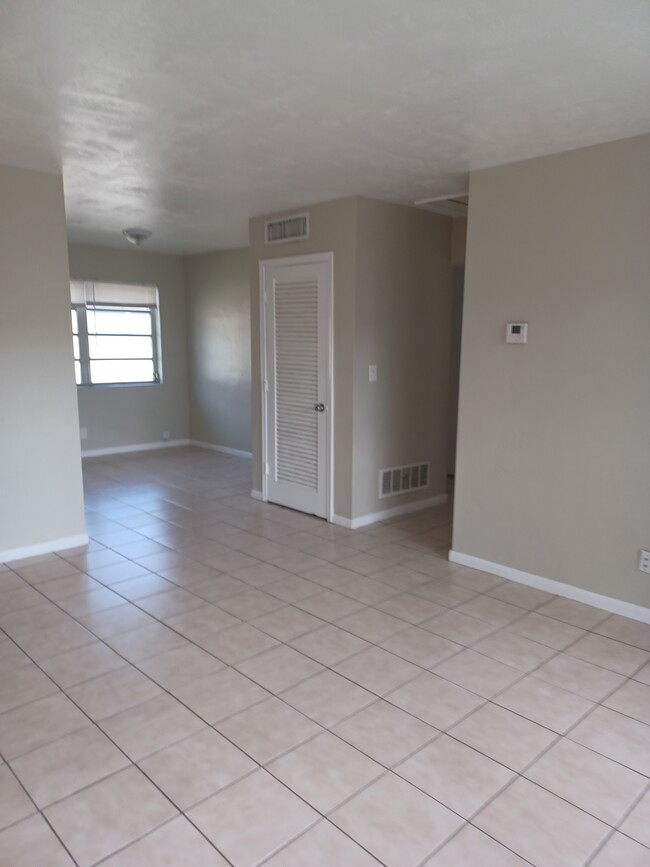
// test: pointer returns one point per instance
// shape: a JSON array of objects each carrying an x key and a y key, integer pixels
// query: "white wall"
[
  {"x": 41, "y": 498},
  {"x": 553, "y": 470},
  {"x": 118, "y": 416},
  {"x": 219, "y": 347}
]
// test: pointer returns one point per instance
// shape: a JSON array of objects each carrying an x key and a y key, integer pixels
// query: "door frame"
[{"x": 308, "y": 259}]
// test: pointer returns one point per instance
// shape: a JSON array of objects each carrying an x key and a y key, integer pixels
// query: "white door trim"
[{"x": 309, "y": 259}]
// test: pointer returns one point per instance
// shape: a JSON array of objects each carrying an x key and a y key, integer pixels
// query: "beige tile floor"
[{"x": 217, "y": 681}]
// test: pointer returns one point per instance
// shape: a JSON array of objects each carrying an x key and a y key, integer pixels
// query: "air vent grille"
[
  {"x": 295, "y": 228},
  {"x": 401, "y": 480}
]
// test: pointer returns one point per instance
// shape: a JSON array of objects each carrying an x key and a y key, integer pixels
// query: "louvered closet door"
[{"x": 297, "y": 305}]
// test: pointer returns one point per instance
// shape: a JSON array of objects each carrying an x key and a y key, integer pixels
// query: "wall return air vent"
[
  {"x": 295, "y": 228},
  {"x": 401, "y": 480}
]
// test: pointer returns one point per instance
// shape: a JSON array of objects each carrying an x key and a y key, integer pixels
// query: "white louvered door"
[{"x": 297, "y": 302}]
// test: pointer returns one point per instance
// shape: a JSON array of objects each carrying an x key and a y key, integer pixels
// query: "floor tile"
[
  {"x": 491, "y": 610},
  {"x": 471, "y": 846},
  {"x": 620, "y": 850},
  {"x": 22, "y": 685},
  {"x": 146, "y": 642},
  {"x": 504, "y": 736},
  {"x": 544, "y": 703},
  {"x": 15, "y": 803},
  {"x": 237, "y": 643},
  {"x": 533, "y": 823},
  {"x": 325, "y": 771},
  {"x": 514, "y": 650},
  {"x": 454, "y": 774},
  {"x": 459, "y": 627},
  {"x": 618, "y": 737},
  {"x": 637, "y": 824},
  {"x": 576, "y": 613},
  {"x": 582, "y": 678},
  {"x": 330, "y": 605},
  {"x": 546, "y": 630},
  {"x": 420, "y": 646},
  {"x": 413, "y": 609},
  {"x": 252, "y": 819},
  {"x": 82, "y": 664},
  {"x": 250, "y": 604},
  {"x": 385, "y": 732},
  {"x": 435, "y": 700},
  {"x": 196, "y": 767},
  {"x": 520, "y": 594},
  {"x": 632, "y": 699},
  {"x": 54, "y": 640},
  {"x": 200, "y": 622},
  {"x": 268, "y": 729},
  {"x": 367, "y": 590},
  {"x": 478, "y": 673},
  {"x": 113, "y": 692},
  {"x": 327, "y": 698},
  {"x": 151, "y": 726},
  {"x": 396, "y": 822},
  {"x": 65, "y": 766},
  {"x": 287, "y": 623},
  {"x": 279, "y": 668},
  {"x": 323, "y": 846},
  {"x": 372, "y": 625},
  {"x": 32, "y": 842},
  {"x": 40, "y": 722},
  {"x": 114, "y": 621},
  {"x": 590, "y": 781},
  {"x": 182, "y": 665},
  {"x": 220, "y": 695},
  {"x": 329, "y": 645},
  {"x": 608, "y": 653},
  {"x": 105, "y": 817},
  {"x": 377, "y": 670},
  {"x": 629, "y": 631},
  {"x": 176, "y": 844}
]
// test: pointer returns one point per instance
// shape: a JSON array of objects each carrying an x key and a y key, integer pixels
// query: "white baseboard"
[
  {"x": 138, "y": 447},
  {"x": 570, "y": 591},
  {"x": 50, "y": 547},
  {"x": 238, "y": 453},
  {"x": 257, "y": 495},
  {"x": 395, "y": 512}
]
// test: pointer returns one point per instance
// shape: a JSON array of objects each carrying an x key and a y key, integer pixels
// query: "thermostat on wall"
[{"x": 517, "y": 332}]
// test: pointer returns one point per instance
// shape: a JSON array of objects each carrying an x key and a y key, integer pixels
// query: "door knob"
[{"x": 320, "y": 407}]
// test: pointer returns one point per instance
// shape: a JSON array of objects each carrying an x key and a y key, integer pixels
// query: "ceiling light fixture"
[{"x": 136, "y": 236}]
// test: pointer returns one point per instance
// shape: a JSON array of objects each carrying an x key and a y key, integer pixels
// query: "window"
[{"x": 115, "y": 333}]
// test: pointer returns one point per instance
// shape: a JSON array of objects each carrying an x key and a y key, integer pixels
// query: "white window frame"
[{"x": 83, "y": 337}]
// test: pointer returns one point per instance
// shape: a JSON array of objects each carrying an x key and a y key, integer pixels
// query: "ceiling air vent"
[
  {"x": 294, "y": 228},
  {"x": 401, "y": 480}
]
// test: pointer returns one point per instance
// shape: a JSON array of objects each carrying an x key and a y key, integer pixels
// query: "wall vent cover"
[
  {"x": 295, "y": 228},
  {"x": 401, "y": 480}
]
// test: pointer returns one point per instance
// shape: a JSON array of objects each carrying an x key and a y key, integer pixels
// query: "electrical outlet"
[
  {"x": 166, "y": 435},
  {"x": 644, "y": 562},
  {"x": 83, "y": 433}
]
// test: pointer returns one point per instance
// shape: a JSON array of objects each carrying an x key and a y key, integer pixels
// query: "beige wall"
[
  {"x": 553, "y": 474},
  {"x": 219, "y": 345},
  {"x": 391, "y": 308},
  {"x": 402, "y": 324},
  {"x": 41, "y": 499},
  {"x": 332, "y": 230},
  {"x": 130, "y": 415},
  {"x": 458, "y": 240}
]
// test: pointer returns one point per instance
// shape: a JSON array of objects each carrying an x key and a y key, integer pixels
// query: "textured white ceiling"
[{"x": 188, "y": 117}]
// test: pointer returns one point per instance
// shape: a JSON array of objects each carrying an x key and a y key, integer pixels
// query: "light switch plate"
[
  {"x": 517, "y": 332},
  {"x": 372, "y": 373}
]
